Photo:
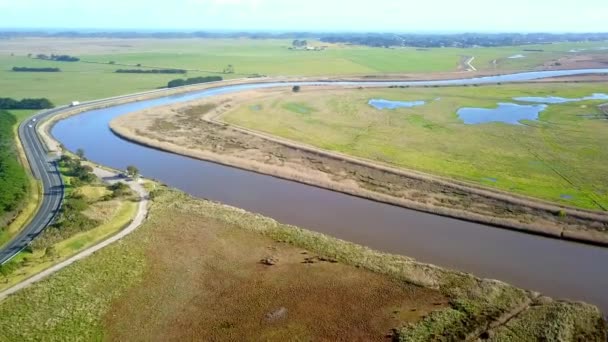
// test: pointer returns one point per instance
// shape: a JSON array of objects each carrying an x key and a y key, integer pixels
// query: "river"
[{"x": 556, "y": 268}]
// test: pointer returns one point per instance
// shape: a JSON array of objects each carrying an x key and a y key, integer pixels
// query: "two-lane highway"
[{"x": 44, "y": 168}]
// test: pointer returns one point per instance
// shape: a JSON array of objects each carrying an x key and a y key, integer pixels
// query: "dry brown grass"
[{"x": 205, "y": 279}]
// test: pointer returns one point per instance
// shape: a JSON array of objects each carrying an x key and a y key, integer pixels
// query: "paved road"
[
  {"x": 142, "y": 212},
  {"x": 44, "y": 168}
]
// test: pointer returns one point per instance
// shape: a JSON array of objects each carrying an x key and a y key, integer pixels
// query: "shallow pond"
[
  {"x": 510, "y": 113},
  {"x": 557, "y": 99},
  {"x": 388, "y": 104},
  {"x": 517, "y": 56}
]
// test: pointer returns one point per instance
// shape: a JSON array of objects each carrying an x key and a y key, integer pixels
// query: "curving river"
[{"x": 554, "y": 267}]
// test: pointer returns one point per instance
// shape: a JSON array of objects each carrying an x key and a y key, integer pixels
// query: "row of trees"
[
  {"x": 9, "y": 103},
  {"x": 58, "y": 58},
  {"x": 151, "y": 71},
  {"x": 194, "y": 80},
  {"x": 13, "y": 179},
  {"x": 28, "y": 69}
]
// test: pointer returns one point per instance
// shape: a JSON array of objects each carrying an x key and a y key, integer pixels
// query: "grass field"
[
  {"x": 559, "y": 158},
  {"x": 86, "y": 81},
  {"x": 159, "y": 284}
]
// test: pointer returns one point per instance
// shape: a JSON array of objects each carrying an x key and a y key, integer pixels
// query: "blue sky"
[{"x": 311, "y": 15}]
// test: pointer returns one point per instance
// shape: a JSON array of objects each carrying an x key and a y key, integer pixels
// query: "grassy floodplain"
[
  {"x": 204, "y": 57},
  {"x": 559, "y": 158},
  {"x": 159, "y": 284}
]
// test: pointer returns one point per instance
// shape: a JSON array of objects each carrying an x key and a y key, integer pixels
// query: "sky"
[{"x": 311, "y": 15}]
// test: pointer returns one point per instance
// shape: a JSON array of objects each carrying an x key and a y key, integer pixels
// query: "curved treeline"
[
  {"x": 8, "y": 103},
  {"x": 28, "y": 69},
  {"x": 13, "y": 179},
  {"x": 151, "y": 71},
  {"x": 194, "y": 80}
]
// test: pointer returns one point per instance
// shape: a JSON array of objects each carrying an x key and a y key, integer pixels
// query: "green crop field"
[
  {"x": 93, "y": 77},
  {"x": 561, "y": 157}
]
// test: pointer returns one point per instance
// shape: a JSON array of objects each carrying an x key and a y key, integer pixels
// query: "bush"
[
  {"x": 50, "y": 252},
  {"x": 296, "y": 89},
  {"x": 119, "y": 189},
  {"x": 82, "y": 174}
]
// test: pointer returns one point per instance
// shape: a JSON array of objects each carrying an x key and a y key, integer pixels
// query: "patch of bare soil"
[
  {"x": 191, "y": 130},
  {"x": 207, "y": 280}
]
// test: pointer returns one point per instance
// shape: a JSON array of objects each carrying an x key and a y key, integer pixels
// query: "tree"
[
  {"x": 296, "y": 89},
  {"x": 132, "y": 171},
  {"x": 80, "y": 153}
]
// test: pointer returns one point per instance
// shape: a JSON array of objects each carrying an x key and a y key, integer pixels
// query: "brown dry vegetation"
[
  {"x": 193, "y": 271},
  {"x": 205, "y": 279},
  {"x": 190, "y": 130}
]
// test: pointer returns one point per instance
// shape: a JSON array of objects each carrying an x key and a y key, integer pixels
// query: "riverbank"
[
  {"x": 141, "y": 287},
  {"x": 191, "y": 129}
]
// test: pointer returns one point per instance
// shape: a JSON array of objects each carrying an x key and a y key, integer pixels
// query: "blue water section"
[
  {"x": 556, "y": 99},
  {"x": 387, "y": 104},
  {"x": 510, "y": 113}
]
